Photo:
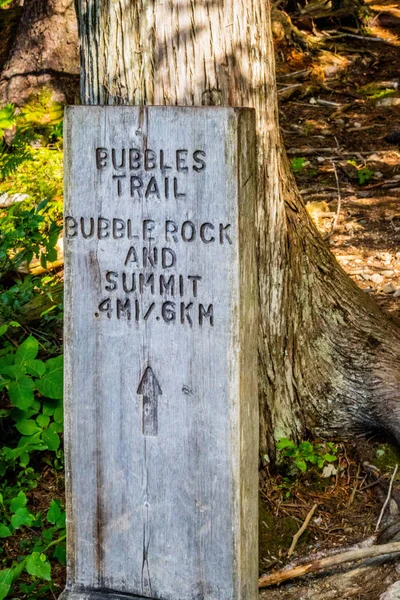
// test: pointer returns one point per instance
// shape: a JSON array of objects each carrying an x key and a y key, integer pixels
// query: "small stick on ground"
[
  {"x": 364, "y": 38},
  {"x": 387, "y": 497},
  {"x": 327, "y": 563},
  {"x": 302, "y": 529},
  {"x": 353, "y": 493}
]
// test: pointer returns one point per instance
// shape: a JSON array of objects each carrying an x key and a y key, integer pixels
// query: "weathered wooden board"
[{"x": 161, "y": 353}]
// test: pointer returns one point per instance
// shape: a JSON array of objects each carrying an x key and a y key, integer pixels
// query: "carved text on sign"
[
  {"x": 150, "y": 261},
  {"x": 133, "y": 171}
]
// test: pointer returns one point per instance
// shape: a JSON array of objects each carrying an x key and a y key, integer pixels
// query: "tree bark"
[
  {"x": 328, "y": 355},
  {"x": 44, "y": 53}
]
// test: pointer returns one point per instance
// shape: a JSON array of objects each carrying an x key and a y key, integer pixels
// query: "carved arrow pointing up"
[{"x": 150, "y": 389}]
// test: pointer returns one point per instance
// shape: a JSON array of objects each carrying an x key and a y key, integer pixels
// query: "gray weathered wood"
[{"x": 161, "y": 376}]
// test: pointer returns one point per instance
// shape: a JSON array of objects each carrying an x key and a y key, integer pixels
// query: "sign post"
[{"x": 161, "y": 353}]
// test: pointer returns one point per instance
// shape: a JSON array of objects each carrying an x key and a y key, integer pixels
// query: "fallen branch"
[
  {"x": 302, "y": 529},
  {"x": 327, "y": 563},
  {"x": 295, "y": 74},
  {"x": 326, "y": 103},
  {"x": 290, "y": 87},
  {"x": 308, "y": 150},
  {"x": 389, "y": 494},
  {"x": 364, "y": 38}
]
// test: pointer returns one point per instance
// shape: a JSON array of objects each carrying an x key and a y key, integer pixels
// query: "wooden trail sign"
[{"x": 161, "y": 353}]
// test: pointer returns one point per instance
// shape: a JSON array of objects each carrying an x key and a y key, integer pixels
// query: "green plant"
[
  {"x": 27, "y": 233},
  {"x": 364, "y": 174},
  {"x": 298, "y": 164},
  {"x": 30, "y": 363},
  {"x": 35, "y": 125},
  {"x": 306, "y": 454},
  {"x": 301, "y": 166},
  {"x": 46, "y": 540},
  {"x": 31, "y": 216},
  {"x": 31, "y": 418},
  {"x": 36, "y": 416}
]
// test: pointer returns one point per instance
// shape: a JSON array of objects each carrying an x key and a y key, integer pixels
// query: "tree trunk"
[
  {"x": 329, "y": 357},
  {"x": 44, "y": 53}
]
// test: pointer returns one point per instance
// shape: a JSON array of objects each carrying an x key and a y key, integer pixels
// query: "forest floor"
[{"x": 339, "y": 100}]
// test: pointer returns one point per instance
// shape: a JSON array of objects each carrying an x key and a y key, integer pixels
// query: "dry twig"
[
  {"x": 327, "y": 563},
  {"x": 294, "y": 74},
  {"x": 364, "y": 38},
  {"x": 353, "y": 493},
  {"x": 387, "y": 497},
  {"x": 302, "y": 529}
]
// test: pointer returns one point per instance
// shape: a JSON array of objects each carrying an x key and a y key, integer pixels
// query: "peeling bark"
[
  {"x": 329, "y": 356},
  {"x": 44, "y": 53}
]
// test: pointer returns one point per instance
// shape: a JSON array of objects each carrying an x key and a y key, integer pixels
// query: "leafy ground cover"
[{"x": 32, "y": 517}]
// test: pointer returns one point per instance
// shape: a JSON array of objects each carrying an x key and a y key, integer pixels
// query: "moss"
[
  {"x": 387, "y": 456},
  {"x": 375, "y": 91},
  {"x": 41, "y": 177},
  {"x": 276, "y": 533}
]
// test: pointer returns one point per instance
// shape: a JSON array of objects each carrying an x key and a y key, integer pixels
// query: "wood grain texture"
[{"x": 161, "y": 373}]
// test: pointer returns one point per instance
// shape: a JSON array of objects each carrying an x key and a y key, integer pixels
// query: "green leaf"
[
  {"x": 57, "y": 427},
  {"x": 51, "y": 438},
  {"x": 49, "y": 408},
  {"x": 12, "y": 371},
  {"x": 37, "y": 368},
  {"x": 52, "y": 255},
  {"x": 38, "y": 565},
  {"x": 61, "y": 555},
  {"x": 6, "y": 360},
  {"x": 22, "y": 516},
  {"x": 59, "y": 414},
  {"x": 285, "y": 443},
  {"x": 7, "y": 113},
  {"x": 306, "y": 448},
  {"x": 21, "y": 392},
  {"x": 51, "y": 384},
  {"x": 3, "y": 329},
  {"x": 26, "y": 589},
  {"x": 24, "y": 459},
  {"x": 301, "y": 465},
  {"x": 43, "y": 420},
  {"x": 7, "y": 576},
  {"x": 4, "y": 531},
  {"x": 27, "y": 351},
  {"x": 36, "y": 406},
  {"x": 53, "y": 513},
  {"x": 6, "y": 579},
  {"x": 27, "y": 427},
  {"x": 47, "y": 534},
  {"x": 329, "y": 457},
  {"x": 18, "y": 502},
  {"x": 31, "y": 442}
]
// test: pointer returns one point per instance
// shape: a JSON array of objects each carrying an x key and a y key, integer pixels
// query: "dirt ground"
[{"x": 340, "y": 121}]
